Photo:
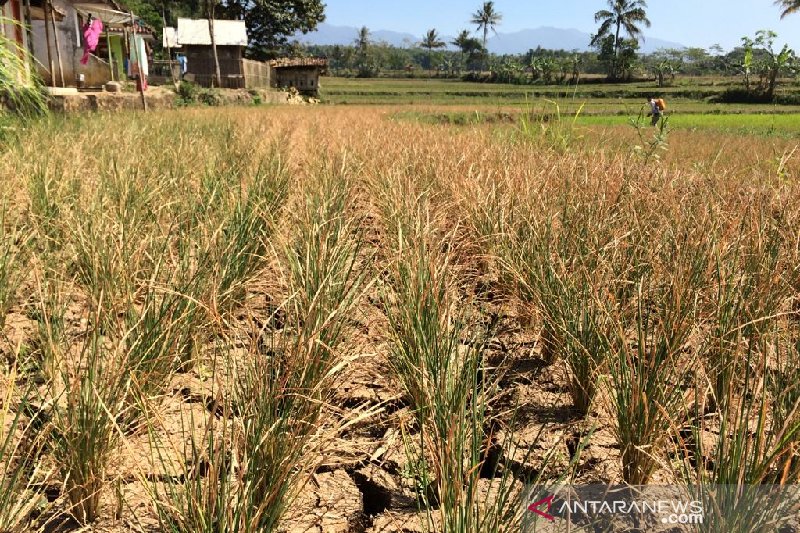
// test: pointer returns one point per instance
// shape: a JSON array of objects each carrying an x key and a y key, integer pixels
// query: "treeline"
[{"x": 755, "y": 61}]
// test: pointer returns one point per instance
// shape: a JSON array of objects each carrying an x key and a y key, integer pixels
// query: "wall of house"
[
  {"x": 17, "y": 36},
  {"x": 304, "y": 78},
  {"x": 69, "y": 40},
  {"x": 96, "y": 72},
  {"x": 200, "y": 65}
]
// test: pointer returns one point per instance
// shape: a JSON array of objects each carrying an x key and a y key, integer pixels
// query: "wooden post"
[
  {"x": 50, "y": 63},
  {"x": 110, "y": 56},
  {"x": 58, "y": 49},
  {"x": 169, "y": 48},
  {"x": 139, "y": 62},
  {"x": 29, "y": 27}
]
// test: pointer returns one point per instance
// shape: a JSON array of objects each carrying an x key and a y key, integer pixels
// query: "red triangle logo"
[{"x": 546, "y": 513}]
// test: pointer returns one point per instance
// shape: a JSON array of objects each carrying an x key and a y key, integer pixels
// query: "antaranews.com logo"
[{"x": 659, "y": 508}]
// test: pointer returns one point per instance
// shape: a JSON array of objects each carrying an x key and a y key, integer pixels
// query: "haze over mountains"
[{"x": 518, "y": 42}]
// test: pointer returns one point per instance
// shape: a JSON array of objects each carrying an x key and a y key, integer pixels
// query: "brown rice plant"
[
  {"x": 585, "y": 330},
  {"x": 50, "y": 201},
  {"x": 437, "y": 355},
  {"x": 241, "y": 241},
  {"x": 648, "y": 371},
  {"x": 84, "y": 422},
  {"x": 14, "y": 242},
  {"x": 260, "y": 454},
  {"x": 749, "y": 294},
  {"x": 559, "y": 266},
  {"x": 113, "y": 249},
  {"x": 50, "y": 339},
  {"x": 20, "y": 469},
  {"x": 747, "y": 475},
  {"x": 157, "y": 339}
]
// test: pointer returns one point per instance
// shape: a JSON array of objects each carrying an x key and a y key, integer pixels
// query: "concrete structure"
[{"x": 301, "y": 73}]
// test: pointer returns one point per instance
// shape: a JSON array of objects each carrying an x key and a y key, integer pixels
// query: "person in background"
[{"x": 655, "y": 111}]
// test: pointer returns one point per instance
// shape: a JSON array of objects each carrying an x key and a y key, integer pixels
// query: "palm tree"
[
  {"x": 431, "y": 41},
  {"x": 362, "y": 43},
  {"x": 461, "y": 42},
  {"x": 622, "y": 14},
  {"x": 486, "y": 18},
  {"x": 363, "y": 40},
  {"x": 789, "y": 6}
]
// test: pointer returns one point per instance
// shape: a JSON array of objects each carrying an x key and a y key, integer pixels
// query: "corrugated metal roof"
[
  {"x": 170, "y": 38},
  {"x": 226, "y": 32}
]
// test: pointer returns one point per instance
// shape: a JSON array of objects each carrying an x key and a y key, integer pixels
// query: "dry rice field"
[{"x": 326, "y": 319}]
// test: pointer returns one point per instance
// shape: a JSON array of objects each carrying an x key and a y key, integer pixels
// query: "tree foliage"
[
  {"x": 486, "y": 18},
  {"x": 788, "y": 6},
  {"x": 627, "y": 15},
  {"x": 270, "y": 23}
]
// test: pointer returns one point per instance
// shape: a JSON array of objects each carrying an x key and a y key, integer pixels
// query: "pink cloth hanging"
[{"x": 91, "y": 34}]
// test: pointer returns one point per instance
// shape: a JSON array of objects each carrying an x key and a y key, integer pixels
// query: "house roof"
[
  {"x": 287, "y": 62},
  {"x": 170, "y": 38},
  {"x": 226, "y": 32}
]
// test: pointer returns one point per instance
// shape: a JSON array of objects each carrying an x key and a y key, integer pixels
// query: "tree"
[
  {"x": 271, "y": 23},
  {"x": 618, "y": 56},
  {"x": 460, "y": 42},
  {"x": 486, "y": 18},
  {"x": 788, "y": 6},
  {"x": 775, "y": 63},
  {"x": 747, "y": 61},
  {"x": 362, "y": 42},
  {"x": 210, "y": 10},
  {"x": 431, "y": 42},
  {"x": 470, "y": 48},
  {"x": 622, "y": 14}
]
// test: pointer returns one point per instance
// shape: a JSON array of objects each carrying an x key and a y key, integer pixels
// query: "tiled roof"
[{"x": 299, "y": 62}]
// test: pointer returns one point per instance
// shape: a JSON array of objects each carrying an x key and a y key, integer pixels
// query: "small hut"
[
  {"x": 194, "y": 38},
  {"x": 301, "y": 73}
]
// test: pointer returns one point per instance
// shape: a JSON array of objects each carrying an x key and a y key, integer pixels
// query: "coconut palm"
[
  {"x": 789, "y": 6},
  {"x": 486, "y": 18},
  {"x": 461, "y": 42},
  {"x": 431, "y": 42},
  {"x": 628, "y": 15}
]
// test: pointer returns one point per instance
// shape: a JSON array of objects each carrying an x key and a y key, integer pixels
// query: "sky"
[{"x": 689, "y": 22}]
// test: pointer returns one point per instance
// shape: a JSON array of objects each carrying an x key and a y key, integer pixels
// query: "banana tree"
[{"x": 776, "y": 63}]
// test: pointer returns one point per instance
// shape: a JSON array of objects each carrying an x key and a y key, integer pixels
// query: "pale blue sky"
[{"x": 690, "y": 22}]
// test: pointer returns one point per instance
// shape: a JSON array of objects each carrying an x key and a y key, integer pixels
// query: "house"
[
  {"x": 57, "y": 41},
  {"x": 16, "y": 38},
  {"x": 194, "y": 39},
  {"x": 301, "y": 73}
]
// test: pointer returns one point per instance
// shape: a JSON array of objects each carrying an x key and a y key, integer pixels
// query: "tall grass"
[
  {"x": 87, "y": 402},
  {"x": 19, "y": 85},
  {"x": 14, "y": 242},
  {"x": 141, "y": 281},
  {"x": 649, "y": 369},
  {"x": 260, "y": 454},
  {"x": 437, "y": 352},
  {"x": 20, "y": 468}
]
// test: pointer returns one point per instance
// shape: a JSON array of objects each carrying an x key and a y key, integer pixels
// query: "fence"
[
  {"x": 256, "y": 74},
  {"x": 236, "y": 73}
]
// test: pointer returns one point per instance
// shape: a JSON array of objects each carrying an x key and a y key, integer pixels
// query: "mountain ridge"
[{"x": 517, "y": 42}]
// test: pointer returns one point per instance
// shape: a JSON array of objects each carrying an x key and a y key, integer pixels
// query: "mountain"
[
  {"x": 559, "y": 39},
  {"x": 327, "y": 34},
  {"x": 517, "y": 42}
]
